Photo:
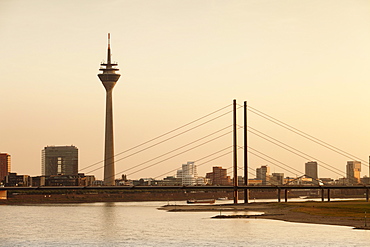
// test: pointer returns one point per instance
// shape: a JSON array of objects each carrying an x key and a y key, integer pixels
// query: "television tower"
[{"x": 109, "y": 77}]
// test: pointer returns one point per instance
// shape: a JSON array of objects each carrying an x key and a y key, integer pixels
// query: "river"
[{"x": 141, "y": 224}]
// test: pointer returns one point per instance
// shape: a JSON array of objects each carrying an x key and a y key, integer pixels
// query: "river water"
[{"x": 141, "y": 224}]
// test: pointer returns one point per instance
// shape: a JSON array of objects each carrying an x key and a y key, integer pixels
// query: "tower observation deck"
[{"x": 109, "y": 77}]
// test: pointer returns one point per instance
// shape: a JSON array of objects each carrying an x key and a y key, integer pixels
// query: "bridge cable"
[
  {"x": 292, "y": 170},
  {"x": 165, "y": 135},
  {"x": 167, "y": 152},
  {"x": 250, "y": 173},
  {"x": 180, "y": 148},
  {"x": 173, "y": 155},
  {"x": 200, "y": 160},
  {"x": 271, "y": 178},
  {"x": 305, "y": 135},
  {"x": 321, "y": 162}
]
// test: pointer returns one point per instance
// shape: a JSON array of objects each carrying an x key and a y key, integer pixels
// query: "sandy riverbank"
[{"x": 348, "y": 213}]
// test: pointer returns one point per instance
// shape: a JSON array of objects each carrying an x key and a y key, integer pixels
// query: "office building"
[
  {"x": 63, "y": 180},
  {"x": 311, "y": 170},
  {"x": 4, "y": 165},
  {"x": 179, "y": 174},
  {"x": 263, "y": 173},
  {"x": 188, "y": 174},
  {"x": 59, "y": 160},
  {"x": 353, "y": 171},
  {"x": 277, "y": 178},
  {"x": 13, "y": 180},
  {"x": 218, "y": 176}
]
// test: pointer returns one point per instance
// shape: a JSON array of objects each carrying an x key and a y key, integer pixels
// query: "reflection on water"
[{"x": 141, "y": 224}]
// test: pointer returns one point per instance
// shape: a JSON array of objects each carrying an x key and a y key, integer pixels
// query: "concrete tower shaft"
[{"x": 109, "y": 77}]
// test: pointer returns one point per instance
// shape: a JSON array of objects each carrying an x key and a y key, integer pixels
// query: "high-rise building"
[
  {"x": 353, "y": 171},
  {"x": 189, "y": 174},
  {"x": 263, "y": 173},
  {"x": 109, "y": 77},
  {"x": 311, "y": 170},
  {"x": 59, "y": 160},
  {"x": 218, "y": 176},
  {"x": 4, "y": 165}
]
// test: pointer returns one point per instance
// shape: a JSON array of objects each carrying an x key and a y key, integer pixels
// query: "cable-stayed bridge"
[
  {"x": 228, "y": 150},
  {"x": 225, "y": 131}
]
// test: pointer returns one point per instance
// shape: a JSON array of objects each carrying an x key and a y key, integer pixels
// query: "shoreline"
[
  {"x": 290, "y": 212},
  {"x": 342, "y": 213}
]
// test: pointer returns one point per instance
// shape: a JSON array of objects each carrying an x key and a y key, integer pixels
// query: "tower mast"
[{"x": 109, "y": 77}]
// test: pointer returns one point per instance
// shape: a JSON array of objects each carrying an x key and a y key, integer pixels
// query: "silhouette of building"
[
  {"x": 353, "y": 171},
  {"x": 218, "y": 176},
  {"x": 109, "y": 77},
  {"x": 4, "y": 165},
  {"x": 263, "y": 173},
  {"x": 311, "y": 170},
  {"x": 59, "y": 160}
]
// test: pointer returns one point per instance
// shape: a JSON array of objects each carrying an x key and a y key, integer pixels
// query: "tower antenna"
[
  {"x": 108, "y": 40},
  {"x": 108, "y": 53}
]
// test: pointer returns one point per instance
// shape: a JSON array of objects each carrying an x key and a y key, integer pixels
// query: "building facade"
[
  {"x": 13, "y": 180},
  {"x": 59, "y": 160},
  {"x": 353, "y": 171},
  {"x": 263, "y": 173},
  {"x": 62, "y": 180},
  {"x": 277, "y": 178},
  {"x": 4, "y": 165},
  {"x": 218, "y": 176},
  {"x": 311, "y": 170},
  {"x": 188, "y": 174}
]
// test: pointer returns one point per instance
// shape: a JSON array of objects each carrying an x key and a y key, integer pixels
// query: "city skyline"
[
  {"x": 305, "y": 63},
  {"x": 61, "y": 162}
]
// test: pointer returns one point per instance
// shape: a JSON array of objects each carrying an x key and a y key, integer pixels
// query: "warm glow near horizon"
[{"x": 304, "y": 62}]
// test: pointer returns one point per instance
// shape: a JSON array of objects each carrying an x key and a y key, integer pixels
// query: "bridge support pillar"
[
  {"x": 328, "y": 195},
  {"x": 322, "y": 195},
  {"x": 279, "y": 194},
  {"x": 235, "y": 156},
  {"x": 286, "y": 195},
  {"x": 367, "y": 194},
  {"x": 236, "y": 195},
  {"x": 246, "y": 196}
]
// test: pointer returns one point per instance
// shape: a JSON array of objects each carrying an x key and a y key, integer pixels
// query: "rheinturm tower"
[{"x": 109, "y": 77}]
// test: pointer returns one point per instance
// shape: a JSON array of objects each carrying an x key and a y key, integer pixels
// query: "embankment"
[{"x": 344, "y": 213}]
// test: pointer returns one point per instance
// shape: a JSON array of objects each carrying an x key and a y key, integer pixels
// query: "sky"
[{"x": 303, "y": 62}]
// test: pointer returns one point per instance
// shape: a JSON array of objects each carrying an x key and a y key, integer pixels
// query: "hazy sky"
[{"x": 303, "y": 62}]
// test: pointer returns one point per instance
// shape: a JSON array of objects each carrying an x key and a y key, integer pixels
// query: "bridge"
[
  {"x": 247, "y": 150},
  {"x": 278, "y": 189}
]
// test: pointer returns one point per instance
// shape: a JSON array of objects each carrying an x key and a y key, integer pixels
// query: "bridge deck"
[{"x": 282, "y": 187}]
